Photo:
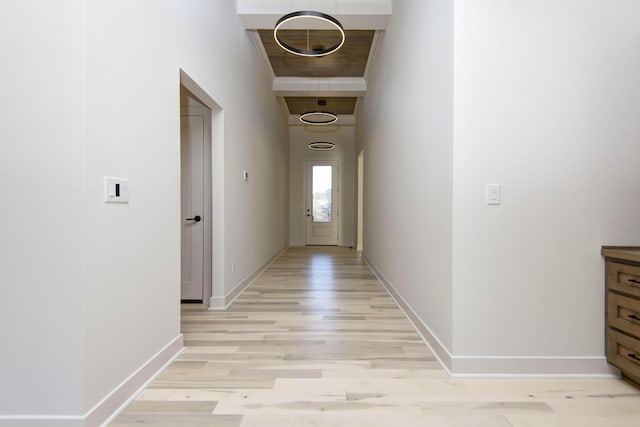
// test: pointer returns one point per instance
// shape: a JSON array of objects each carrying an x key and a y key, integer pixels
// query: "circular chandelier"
[
  {"x": 322, "y": 146},
  {"x": 318, "y": 118},
  {"x": 303, "y": 14}
]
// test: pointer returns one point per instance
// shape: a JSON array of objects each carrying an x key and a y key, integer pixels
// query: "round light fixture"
[
  {"x": 304, "y": 14},
  {"x": 318, "y": 118},
  {"x": 322, "y": 146}
]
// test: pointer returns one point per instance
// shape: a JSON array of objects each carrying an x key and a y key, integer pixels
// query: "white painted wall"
[
  {"x": 405, "y": 129},
  {"x": 133, "y": 108},
  {"x": 547, "y": 103},
  {"x": 344, "y": 138},
  {"x": 93, "y": 90},
  {"x": 41, "y": 212}
]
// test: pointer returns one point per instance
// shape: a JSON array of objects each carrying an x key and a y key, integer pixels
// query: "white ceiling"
[{"x": 352, "y": 14}]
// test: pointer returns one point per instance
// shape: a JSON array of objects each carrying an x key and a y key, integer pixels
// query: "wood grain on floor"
[{"x": 317, "y": 341}]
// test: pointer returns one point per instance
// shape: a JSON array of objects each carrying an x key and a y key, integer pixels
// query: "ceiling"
[
  {"x": 349, "y": 61},
  {"x": 334, "y": 82}
]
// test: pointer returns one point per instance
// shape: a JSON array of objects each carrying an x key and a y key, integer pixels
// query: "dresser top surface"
[{"x": 627, "y": 253}]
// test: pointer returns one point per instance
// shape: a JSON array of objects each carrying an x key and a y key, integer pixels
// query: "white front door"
[
  {"x": 192, "y": 158},
  {"x": 321, "y": 208}
]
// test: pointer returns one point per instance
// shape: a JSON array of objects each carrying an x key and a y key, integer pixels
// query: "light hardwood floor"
[{"x": 317, "y": 341}]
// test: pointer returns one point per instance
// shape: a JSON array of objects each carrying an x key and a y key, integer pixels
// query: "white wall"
[
  {"x": 133, "y": 131},
  {"x": 405, "y": 129},
  {"x": 132, "y": 251},
  {"x": 547, "y": 104},
  {"x": 344, "y": 138},
  {"x": 95, "y": 288},
  {"x": 41, "y": 212}
]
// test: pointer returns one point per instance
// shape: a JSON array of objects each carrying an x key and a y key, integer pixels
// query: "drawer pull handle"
[
  {"x": 634, "y": 317},
  {"x": 634, "y": 281},
  {"x": 634, "y": 356}
]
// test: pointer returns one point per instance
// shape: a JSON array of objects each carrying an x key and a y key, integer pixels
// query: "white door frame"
[
  {"x": 216, "y": 254},
  {"x": 360, "y": 223},
  {"x": 207, "y": 215},
  {"x": 337, "y": 195}
]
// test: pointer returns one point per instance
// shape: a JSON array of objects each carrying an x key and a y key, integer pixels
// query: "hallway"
[{"x": 317, "y": 341}]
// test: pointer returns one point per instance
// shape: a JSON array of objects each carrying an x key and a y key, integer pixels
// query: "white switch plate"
[
  {"x": 245, "y": 175},
  {"x": 116, "y": 190},
  {"x": 493, "y": 194}
]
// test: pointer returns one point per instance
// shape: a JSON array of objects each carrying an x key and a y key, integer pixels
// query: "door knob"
[{"x": 196, "y": 218}]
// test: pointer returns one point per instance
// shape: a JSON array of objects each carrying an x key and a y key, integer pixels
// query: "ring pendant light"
[
  {"x": 318, "y": 118},
  {"x": 322, "y": 146},
  {"x": 303, "y": 14}
]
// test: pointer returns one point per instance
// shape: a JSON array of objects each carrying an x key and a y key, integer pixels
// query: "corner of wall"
[{"x": 436, "y": 346}]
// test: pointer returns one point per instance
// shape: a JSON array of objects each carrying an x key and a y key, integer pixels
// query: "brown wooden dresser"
[{"x": 622, "y": 267}]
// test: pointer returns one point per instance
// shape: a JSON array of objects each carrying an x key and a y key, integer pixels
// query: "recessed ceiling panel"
[{"x": 349, "y": 61}]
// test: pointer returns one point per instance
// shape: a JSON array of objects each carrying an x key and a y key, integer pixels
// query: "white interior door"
[
  {"x": 192, "y": 157},
  {"x": 321, "y": 208},
  {"x": 360, "y": 229}
]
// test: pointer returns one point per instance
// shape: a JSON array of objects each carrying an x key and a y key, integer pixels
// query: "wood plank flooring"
[{"x": 317, "y": 341}]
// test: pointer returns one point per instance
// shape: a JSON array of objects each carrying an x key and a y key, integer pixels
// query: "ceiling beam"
[
  {"x": 352, "y": 14},
  {"x": 332, "y": 86},
  {"x": 343, "y": 120}
]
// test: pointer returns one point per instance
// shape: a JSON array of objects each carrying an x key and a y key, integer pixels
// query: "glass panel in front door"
[{"x": 322, "y": 189}]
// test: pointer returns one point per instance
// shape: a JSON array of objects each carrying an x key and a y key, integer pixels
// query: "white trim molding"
[
  {"x": 352, "y": 14},
  {"x": 312, "y": 86},
  {"x": 109, "y": 407},
  {"x": 41, "y": 421},
  {"x": 498, "y": 366},
  {"x": 536, "y": 366},
  {"x": 429, "y": 338},
  {"x": 224, "y": 302}
]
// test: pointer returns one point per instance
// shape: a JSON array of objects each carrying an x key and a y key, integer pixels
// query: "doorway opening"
[
  {"x": 202, "y": 189},
  {"x": 195, "y": 203},
  {"x": 321, "y": 202},
  {"x": 360, "y": 222}
]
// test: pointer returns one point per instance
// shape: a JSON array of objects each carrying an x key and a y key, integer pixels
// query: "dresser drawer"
[
  {"x": 623, "y": 313},
  {"x": 624, "y": 352},
  {"x": 623, "y": 278}
]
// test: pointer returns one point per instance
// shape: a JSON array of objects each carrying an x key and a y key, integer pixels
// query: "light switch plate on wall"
[
  {"x": 493, "y": 194},
  {"x": 116, "y": 190}
]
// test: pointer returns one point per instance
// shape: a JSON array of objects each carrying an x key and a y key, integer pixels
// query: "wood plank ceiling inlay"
[
  {"x": 317, "y": 341},
  {"x": 348, "y": 61},
  {"x": 336, "y": 105}
]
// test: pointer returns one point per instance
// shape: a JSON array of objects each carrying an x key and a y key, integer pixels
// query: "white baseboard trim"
[
  {"x": 430, "y": 339},
  {"x": 525, "y": 367},
  {"x": 498, "y": 366},
  {"x": 109, "y": 407},
  {"x": 223, "y": 303},
  {"x": 41, "y": 421},
  {"x": 217, "y": 303}
]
